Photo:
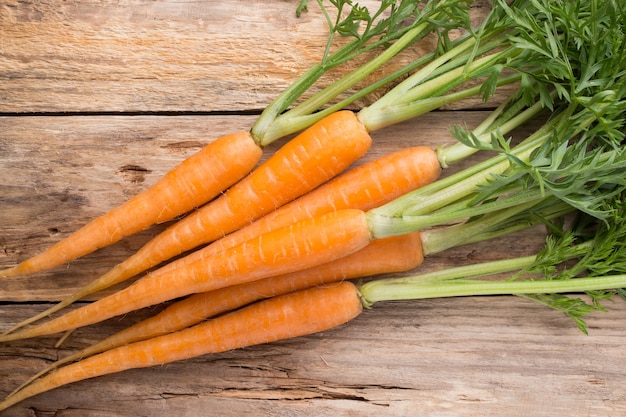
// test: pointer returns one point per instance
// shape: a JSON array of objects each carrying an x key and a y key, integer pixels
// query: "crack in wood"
[
  {"x": 187, "y": 144},
  {"x": 133, "y": 173}
]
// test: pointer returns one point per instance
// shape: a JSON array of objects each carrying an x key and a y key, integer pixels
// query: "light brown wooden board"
[
  {"x": 117, "y": 66},
  {"x": 141, "y": 56}
]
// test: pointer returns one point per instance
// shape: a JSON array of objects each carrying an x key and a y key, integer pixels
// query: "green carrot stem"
[
  {"x": 441, "y": 239},
  {"x": 307, "y": 112},
  {"x": 288, "y": 96},
  {"x": 459, "y": 150},
  {"x": 464, "y": 288},
  {"x": 461, "y": 281},
  {"x": 343, "y": 84},
  {"x": 297, "y": 119},
  {"x": 394, "y": 114},
  {"x": 447, "y": 190},
  {"x": 385, "y": 226},
  {"x": 498, "y": 223},
  {"x": 273, "y": 124},
  {"x": 430, "y": 95},
  {"x": 454, "y": 187},
  {"x": 399, "y": 91},
  {"x": 280, "y": 126}
]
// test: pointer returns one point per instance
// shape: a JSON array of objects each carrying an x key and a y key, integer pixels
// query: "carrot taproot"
[
  {"x": 195, "y": 181},
  {"x": 185, "y": 189},
  {"x": 296, "y": 314},
  {"x": 383, "y": 256},
  {"x": 313, "y": 157},
  {"x": 295, "y": 247}
]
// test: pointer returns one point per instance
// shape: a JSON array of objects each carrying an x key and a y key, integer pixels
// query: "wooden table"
[{"x": 97, "y": 100}]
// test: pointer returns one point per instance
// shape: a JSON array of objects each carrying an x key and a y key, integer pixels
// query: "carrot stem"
[
  {"x": 384, "y": 226},
  {"x": 283, "y": 125},
  {"x": 461, "y": 184},
  {"x": 464, "y": 288},
  {"x": 275, "y": 122},
  {"x": 510, "y": 118}
]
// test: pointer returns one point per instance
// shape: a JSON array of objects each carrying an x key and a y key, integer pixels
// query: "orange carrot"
[
  {"x": 292, "y": 315},
  {"x": 292, "y": 248},
  {"x": 310, "y": 159},
  {"x": 383, "y": 256},
  {"x": 194, "y": 182},
  {"x": 369, "y": 185}
]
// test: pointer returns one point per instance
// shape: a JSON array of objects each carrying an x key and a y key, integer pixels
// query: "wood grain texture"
[
  {"x": 149, "y": 83},
  {"x": 151, "y": 56}
]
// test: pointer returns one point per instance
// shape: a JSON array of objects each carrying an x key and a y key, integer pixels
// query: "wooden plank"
[
  {"x": 151, "y": 56},
  {"x": 139, "y": 56},
  {"x": 463, "y": 357},
  {"x": 489, "y": 356}
]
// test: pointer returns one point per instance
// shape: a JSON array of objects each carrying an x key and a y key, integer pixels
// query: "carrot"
[
  {"x": 313, "y": 157},
  {"x": 322, "y": 308},
  {"x": 363, "y": 187},
  {"x": 316, "y": 155},
  {"x": 295, "y": 247},
  {"x": 420, "y": 100},
  {"x": 384, "y": 256},
  {"x": 194, "y": 182},
  {"x": 398, "y": 253},
  {"x": 296, "y": 314}
]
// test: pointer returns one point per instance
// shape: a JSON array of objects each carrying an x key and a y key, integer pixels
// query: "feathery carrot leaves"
[{"x": 577, "y": 158}]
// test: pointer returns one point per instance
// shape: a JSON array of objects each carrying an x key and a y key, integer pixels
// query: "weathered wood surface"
[{"x": 105, "y": 62}]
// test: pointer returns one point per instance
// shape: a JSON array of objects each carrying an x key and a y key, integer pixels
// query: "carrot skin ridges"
[
  {"x": 195, "y": 181},
  {"x": 295, "y": 247},
  {"x": 383, "y": 256},
  {"x": 364, "y": 187},
  {"x": 292, "y": 315},
  {"x": 313, "y": 157}
]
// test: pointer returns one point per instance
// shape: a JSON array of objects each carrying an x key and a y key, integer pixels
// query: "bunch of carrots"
[{"x": 279, "y": 243}]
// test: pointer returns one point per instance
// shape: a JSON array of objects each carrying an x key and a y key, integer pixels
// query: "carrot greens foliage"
[{"x": 577, "y": 157}]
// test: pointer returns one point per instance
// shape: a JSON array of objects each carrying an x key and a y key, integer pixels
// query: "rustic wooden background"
[{"x": 98, "y": 99}]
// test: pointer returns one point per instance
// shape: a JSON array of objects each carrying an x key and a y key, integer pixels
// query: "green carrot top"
[
  {"x": 588, "y": 256},
  {"x": 576, "y": 157}
]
